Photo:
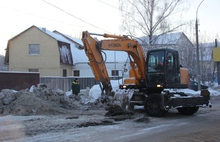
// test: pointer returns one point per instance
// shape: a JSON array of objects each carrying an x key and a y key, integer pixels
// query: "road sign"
[{"x": 216, "y": 54}]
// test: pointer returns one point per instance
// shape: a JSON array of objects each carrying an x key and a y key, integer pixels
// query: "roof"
[
  {"x": 54, "y": 35},
  {"x": 77, "y": 49},
  {"x": 209, "y": 44},
  {"x": 171, "y": 38},
  {"x": 207, "y": 48},
  {"x": 79, "y": 56},
  {"x": 78, "y": 41}
]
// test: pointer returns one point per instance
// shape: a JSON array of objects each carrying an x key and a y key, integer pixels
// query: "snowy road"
[{"x": 203, "y": 126}]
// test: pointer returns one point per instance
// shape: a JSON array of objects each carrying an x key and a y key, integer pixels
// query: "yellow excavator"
[{"x": 152, "y": 79}]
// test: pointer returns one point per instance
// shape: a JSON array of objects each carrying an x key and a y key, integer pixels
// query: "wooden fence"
[{"x": 18, "y": 80}]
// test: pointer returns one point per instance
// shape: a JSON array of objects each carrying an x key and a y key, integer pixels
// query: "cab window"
[{"x": 156, "y": 61}]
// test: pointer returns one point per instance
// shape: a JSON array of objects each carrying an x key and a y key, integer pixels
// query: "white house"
[{"x": 116, "y": 61}]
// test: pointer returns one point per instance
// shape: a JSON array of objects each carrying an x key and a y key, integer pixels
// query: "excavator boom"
[
  {"x": 96, "y": 61},
  {"x": 93, "y": 49}
]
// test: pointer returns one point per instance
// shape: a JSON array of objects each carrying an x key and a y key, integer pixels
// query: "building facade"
[{"x": 55, "y": 54}]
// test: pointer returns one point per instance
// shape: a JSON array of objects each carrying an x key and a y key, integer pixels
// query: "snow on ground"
[
  {"x": 91, "y": 95},
  {"x": 95, "y": 91},
  {"x": 42, "y": 101},
  {"x": 43, "y": 114},
  {"x": 214, "y": 90}
]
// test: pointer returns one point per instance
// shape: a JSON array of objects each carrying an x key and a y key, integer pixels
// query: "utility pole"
[
  {"x": 197, "y": 56},
  {"x": 197, "y": 49},
  {"x": 218, "y": 72}
]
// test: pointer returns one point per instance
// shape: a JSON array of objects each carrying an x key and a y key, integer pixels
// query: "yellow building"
[{"x": 39, "y": 50}]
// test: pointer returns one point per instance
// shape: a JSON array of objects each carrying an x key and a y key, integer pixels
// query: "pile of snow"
[
  {"x": 41, "y": 100},
  {"x": 95, "y": 91}
]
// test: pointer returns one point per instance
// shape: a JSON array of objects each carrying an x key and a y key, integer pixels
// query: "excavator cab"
[{"x": 163, "y": 70}]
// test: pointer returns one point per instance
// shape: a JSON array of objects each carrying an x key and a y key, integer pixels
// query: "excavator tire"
[
  {"x": 153, "y": 106},
  {"x": 188, "y": 110}
]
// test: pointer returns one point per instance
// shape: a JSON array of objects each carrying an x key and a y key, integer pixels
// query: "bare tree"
[{"x": 150, "y": 17}]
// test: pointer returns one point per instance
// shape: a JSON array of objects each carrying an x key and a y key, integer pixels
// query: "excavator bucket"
[{"x": 117, "y": 104}]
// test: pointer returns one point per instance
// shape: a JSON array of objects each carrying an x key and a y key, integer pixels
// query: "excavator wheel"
[
  {"x": 153, "y": 106},
  {"x": 188, "y": 110}
]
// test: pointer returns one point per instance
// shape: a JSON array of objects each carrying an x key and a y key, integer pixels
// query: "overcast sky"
[{"x": 98, "y": 16}]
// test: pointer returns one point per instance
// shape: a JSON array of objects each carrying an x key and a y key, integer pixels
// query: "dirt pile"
[{"x": 42, "y": 101}]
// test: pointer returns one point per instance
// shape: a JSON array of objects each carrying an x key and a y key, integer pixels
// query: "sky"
[{"x": 71, "y": 17}]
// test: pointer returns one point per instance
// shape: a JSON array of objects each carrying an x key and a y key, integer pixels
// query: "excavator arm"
[{"x": 93, "y": 50}]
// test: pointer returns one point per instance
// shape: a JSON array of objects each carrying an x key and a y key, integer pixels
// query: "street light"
[{"x": 197, "y": 48}]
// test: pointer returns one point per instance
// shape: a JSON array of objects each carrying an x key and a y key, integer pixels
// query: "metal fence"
[
  {"x": 64, "y": 83},
  {"x": 18, "y": 81}
]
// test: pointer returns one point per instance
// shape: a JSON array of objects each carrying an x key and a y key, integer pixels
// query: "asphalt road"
[{"x": 204, "y": 126}]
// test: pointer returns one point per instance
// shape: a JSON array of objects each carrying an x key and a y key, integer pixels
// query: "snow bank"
[{"x": 95, "y": 91}]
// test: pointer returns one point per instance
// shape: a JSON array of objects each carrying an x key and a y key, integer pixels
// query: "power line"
[
  {"x": 109, "y": 5},
  {"x": 74, "y": 16},
  {"x": 42, "y": 17},
  {"x": 113, "y": 6}
]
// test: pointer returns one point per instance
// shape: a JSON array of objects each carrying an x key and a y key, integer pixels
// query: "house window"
[
  {"x": 33, "y": 70},
  {"x": 76, "y": 73},
  {"x": 34, "y": 49},
  {"x": 64, "y": 72},
  {"x": 115, "y": 73}
]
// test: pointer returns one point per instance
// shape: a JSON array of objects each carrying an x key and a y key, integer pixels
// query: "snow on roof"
[
  {"x": 171, "y": 38},
  {"x": 209, "y": 44},
  {"x": 78, "y": 55},
  {"x": 79, "y": 41},
  {"x": 54, "y": 35},
  {"x": 207, "y": 50}
]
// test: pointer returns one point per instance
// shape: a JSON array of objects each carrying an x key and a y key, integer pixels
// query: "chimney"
[{"x": 44, "y": 29}]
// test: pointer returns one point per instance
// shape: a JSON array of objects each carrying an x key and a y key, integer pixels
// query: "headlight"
[
  {"x": 159, "y": 86},
  {"x": 124, "y": 86}
]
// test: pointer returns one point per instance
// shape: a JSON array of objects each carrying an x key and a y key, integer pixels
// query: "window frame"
[
  {"x": 76, "y": 73},
  {"x": 33, "y": 70},
  {"x": 64, "y": 72},
  {"x": 34, "y": 49},
  {"x": 115, "y": 73}
]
